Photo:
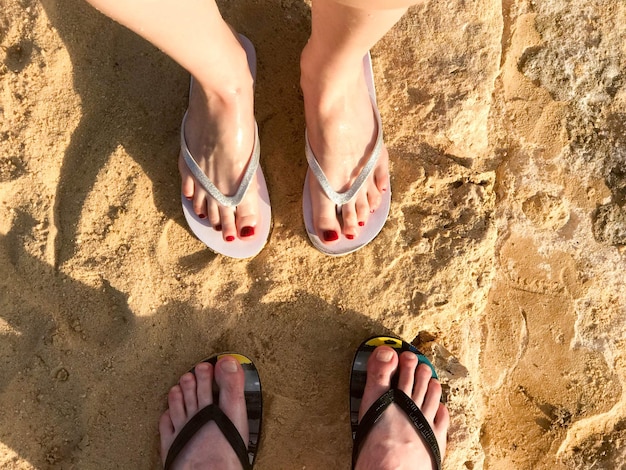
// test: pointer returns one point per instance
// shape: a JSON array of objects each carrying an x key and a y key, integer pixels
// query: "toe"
[
  {"x": 350, "y": 220},
  {"x": 246, "y": 218},
  {"x": 229, "y": 228},
  {"x": 432, "y": 400},
  {"x": 362, "y": 209},
  {"x": 204, "y": 380},
  {"x": 187, "y": 183},
  {"x": 176, "y": 407},
  {"x": 190, "y": 395},
  {"x": 230, "y": 379},
  {"x": 381, "y": 172},
  {"x": 406, "y": 373},
  {"x": 423, "y": 373},
  {"x": 381, "y": 366},
  {"x": 166, "y": 433},
  {"x": 324, "y": 214},
  {"x": 213, "y": 214},
  {"x": 374, "y": 197},
  {"x": 199, "y": 204}
]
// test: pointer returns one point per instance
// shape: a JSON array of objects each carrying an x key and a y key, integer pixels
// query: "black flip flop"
[
  {"x": 393, "y": 395},
  {"x": 212, "y": 412}
]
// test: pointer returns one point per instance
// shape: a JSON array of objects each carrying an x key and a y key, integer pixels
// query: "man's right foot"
[{"x": 393, "y": 442}]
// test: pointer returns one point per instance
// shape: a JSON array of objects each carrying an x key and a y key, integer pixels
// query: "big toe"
[
  {"x": 325, "y": 219},
  {"x": 381, "y": 366},
  {"x": 231, "y": 381}
]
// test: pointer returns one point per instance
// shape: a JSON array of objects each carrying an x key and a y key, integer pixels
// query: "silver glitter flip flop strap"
[
  {"x": 207, "y": 184},
  {"x": 345, "y": 197}
]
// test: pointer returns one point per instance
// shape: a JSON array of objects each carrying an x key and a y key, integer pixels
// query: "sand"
[{"x": 504, "y": 253}]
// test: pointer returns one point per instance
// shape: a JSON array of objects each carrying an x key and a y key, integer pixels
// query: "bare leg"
[
  {"x": 220, "y": 123},
  {"x": 339, "y": 118},
  {"x": 393, "y": 442}
]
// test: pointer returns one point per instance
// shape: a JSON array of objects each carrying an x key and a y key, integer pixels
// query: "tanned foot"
[
  {"x": 208, "y": 449},
  {"x": 393, "y": 442},
  {"x": 342, "y": 131},
  {"x": 220, "y": 131}
]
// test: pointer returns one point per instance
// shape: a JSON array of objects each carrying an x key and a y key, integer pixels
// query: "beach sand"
[{"x": 503, "y": 255}]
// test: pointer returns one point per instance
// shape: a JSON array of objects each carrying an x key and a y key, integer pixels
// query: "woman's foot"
[
  {"x": 208, "y": 449},
  {"x": 220, "y": 133},
  {"x": 342, "y": 131},
  {"x": 393, "y": 442}
]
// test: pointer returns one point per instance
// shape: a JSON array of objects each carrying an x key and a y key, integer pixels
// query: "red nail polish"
[
  {"x": 230, "y": 238},
  {"x": 350, "y": 237},
  {"x": 330, "y": 235},
  {"x": 247, "y": 231},
  {"x": 361, "y": 224},
  {"x": 202, "y": 216},
  {"x": 218, "y": 228},
  {"x": 189, "y": 198}
]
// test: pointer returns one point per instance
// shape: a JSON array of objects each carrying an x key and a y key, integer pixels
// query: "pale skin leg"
[
  {"x": 220, "y": 123},
  {"x": 338, "y": 111},
  {"x": 394, "y": 443}
]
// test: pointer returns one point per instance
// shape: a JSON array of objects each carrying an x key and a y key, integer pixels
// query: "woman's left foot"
[{"x": 342, "y": 131}]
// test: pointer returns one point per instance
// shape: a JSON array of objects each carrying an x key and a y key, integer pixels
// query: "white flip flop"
[
  {"x": 202, "y": 228},
  {"x": 377, "y": 220}
]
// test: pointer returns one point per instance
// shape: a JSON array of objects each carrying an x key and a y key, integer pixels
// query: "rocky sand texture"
[{"x": 503, "y": 254}]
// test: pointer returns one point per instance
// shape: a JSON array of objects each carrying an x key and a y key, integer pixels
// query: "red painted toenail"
[
  {"x": 202, "y": 216},
  {"x": 361, "y": 224},
  {"x": 189, "y": 198},
  {"x": 230, "y": 238},
  {"x": 247, "y": 231},
  {"x": 330, "y": 235},
  {"x": 218, "y": 228},
  {"x": 350, "y": 237}
]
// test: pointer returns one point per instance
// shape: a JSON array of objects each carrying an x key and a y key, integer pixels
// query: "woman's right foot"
[
  {"x": 220, "y": 133},
  {"x": 342, "y": 131},
  {"x": 393, "y": 442}
]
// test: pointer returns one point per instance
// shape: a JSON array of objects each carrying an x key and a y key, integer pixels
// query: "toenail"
[
  {"x": 189, "y": 198},
  {"x": 350, "y": 237},
  {"x": 229, "y": 365},
  {"x": 361, "y": 224},
  {"x": 384, "y": 355},
  {"x": 330, "y": 235},
  {"x": 230, "y": 238},
  {"x": 247, "y": 231},
  {"x": 218, "y": 228},
  {"x": 202, "y": 216},
  {"x": 371, "y": 211}
]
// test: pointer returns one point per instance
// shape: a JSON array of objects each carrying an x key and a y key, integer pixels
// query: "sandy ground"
[{"x": 503, "y": 254}]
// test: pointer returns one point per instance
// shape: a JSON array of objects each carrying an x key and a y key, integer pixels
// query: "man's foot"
[
  {"x": 342, "y": 131},
  {"x": 220, "y": 131},
  {"x": 393, "y": 442},
  {"x": 208, "y": 449}
]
